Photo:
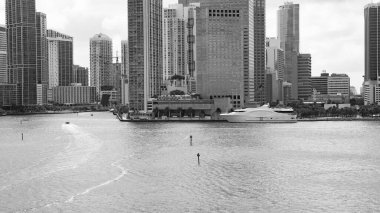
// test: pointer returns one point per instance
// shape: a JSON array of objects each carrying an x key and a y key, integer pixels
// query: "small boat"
[
  {"x": 67, "y": 122},
  {"x": 263, "y": 114}
]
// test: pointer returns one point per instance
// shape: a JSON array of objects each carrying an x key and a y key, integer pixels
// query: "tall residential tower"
[
  {"x": 145, "y": 52},
  {"x": 372, "y": 56},
  {"x": 100, "y": 61},
  {"x": 22, "y": 53}
]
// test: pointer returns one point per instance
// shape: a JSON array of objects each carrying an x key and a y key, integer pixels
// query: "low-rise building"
[
  {"x": 371, "y": 90},
  {"x": 74, "y": 95},
  {"x": 114, "y": 96}
]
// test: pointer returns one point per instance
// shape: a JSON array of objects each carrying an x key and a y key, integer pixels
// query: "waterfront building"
[
  {"x": 304, "y": 75},
  {"x": 3, "y": 55},
  {"x": 222, "y": 69},
  {"x": 60, "y": 60},
  {"x": 116, "y": 79},
  {"x": 42, "y": 59},
  {"x": 100, "y": 61},
  {"x": 372, "y": 48},
  {"x": 80, "y": 75},
  {"x": 339, "y": 84},
  {"x": 22, "y": 49},
  {"x": 319, "y": 83},
  {"x": 74, "y": 95},
  {"x": 7, "y": 95},
  {"x": 288, "y": 34},
  {"x": 287, "y": 92},
  {"x": 145, "y": 52}
]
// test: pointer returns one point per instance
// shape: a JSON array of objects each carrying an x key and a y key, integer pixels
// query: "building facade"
[
  {"x": 372, "y": 57},
  {"x": 100, "y": 61},
  {"x": 174, "y": 42},
  {"x": 80, "y": 75},
  {"x": 42, "y": 59},
  {"x": 339, "y": 84},
  {"x": 22, "y": 49},
  {"x": 7, "y": 95},
  {"x": 320, "y": 83},
  {"x": 124, "y": 57},
  {"x": 124, "y": 72},
  {"x": 230, "y": 48},
  {"x": 74, "y": 95},
  {"x": 60, "y": 49},
  {"x": 3, "y": 55},
  {"x": 304, "y": 76},
  {"x": 145, "y": 52},
  {"x": 288, "y": 33}
]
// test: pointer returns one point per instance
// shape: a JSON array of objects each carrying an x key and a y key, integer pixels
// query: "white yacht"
[{"x": 263, "y": 114}]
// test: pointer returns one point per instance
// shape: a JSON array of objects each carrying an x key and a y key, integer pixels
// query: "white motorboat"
[{"x": 263, "y": 114}]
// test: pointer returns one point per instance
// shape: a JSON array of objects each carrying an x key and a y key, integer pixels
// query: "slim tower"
[
  {"x": 100, "y": 61},
  {"x": 288, "y": 33},
  {"x": 145, "y": 52}
]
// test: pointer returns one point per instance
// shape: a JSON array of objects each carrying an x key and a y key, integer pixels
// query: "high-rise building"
[
  {"x": 80, "y": 75},
  {"x": 179, "y": 47},
  {"x": 145, "y": 51},
  {"x": 230, "y": 52},
  {"x": 320, "y": 83},
  {"x": 3, "y": 55},
  {"x": 100, "y": 61},
  {"x": 60, "y": 54},
  {"x": 288, "y": 33},
  {"x": 258, "y": 51},
  {"x": 174, "y": 42},
  {"x": 304, "y": 75},
  {"x": 22, "y": 49},
  {"x": 372, "y": 48},
  {"x": 275, "y": 64},
  {"x": 275, "y": 57},
  {"x": 42, "y": 58}
]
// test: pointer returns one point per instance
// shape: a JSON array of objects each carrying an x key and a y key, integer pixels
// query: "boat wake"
[
  {"x": 81, "y": 148},
  {"x": 116, "y": 164}
]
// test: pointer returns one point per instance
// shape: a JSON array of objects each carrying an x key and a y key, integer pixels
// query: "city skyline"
[{"x": 82, "y": 19}]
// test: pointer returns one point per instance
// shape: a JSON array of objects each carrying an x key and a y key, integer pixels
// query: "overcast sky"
[{"x": 331, "y": 30}]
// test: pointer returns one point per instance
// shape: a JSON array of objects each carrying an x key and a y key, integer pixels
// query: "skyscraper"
[
  {"x": 372, "y": 57},
  {"x": 42, "y": 59},
  {"x": 275, "y": 64},
  {"x": 257, "y": 18},
  {"x": 145, "y": 51},
  {"x": 22, "y": 53},
  {"x": 230, "y": 50},
  {"x": 100, "y": 61},
  {"x": 60, "y": 51},
  {"x": 174, "y": 42},
  {"x": 3, "y": 55},
  {"x": 288, "y": 33},
  {"x": 372, "y": 44},
  {"x": 304, "y": 76}
]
